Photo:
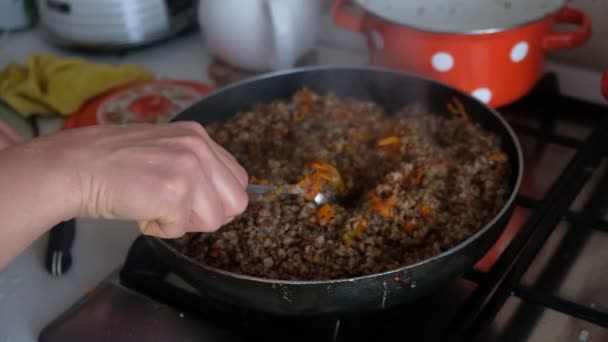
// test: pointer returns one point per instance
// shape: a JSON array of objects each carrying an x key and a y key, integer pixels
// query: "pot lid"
[{"x": 461, "y": 16}]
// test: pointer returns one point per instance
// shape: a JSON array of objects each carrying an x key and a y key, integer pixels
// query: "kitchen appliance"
[
  {"x": 114, "y": 24},
  {"x": 494, "y": 50},
  {"x": 260, "y": 35},
  {"x": 17, "y": 14},
  {"x": 543, "y": 281}
]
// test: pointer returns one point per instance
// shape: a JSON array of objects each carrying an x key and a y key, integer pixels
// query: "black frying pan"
[{"x": 373, "y": 292}]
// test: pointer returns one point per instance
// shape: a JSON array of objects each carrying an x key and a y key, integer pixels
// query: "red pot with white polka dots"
[{"x": 493, "y": 49}]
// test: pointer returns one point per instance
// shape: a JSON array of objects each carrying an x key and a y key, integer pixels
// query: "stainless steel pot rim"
[{"x": 404, "y": 269}]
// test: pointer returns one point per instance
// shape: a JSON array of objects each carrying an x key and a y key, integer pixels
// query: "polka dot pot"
[{"x": 496, "y": 65}]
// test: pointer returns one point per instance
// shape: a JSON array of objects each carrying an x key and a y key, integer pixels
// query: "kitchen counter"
[{"x": 29, "y": 297}]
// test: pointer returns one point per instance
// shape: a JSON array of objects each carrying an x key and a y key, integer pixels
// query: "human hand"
[
  {"x": 8, "y": 136},
  {"x": 169, "y": 178}
]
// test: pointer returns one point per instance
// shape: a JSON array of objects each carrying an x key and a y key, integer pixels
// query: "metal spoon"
[{"x": 320, "y": 198}]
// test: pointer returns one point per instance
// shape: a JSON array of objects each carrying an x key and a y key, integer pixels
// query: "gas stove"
[{"x": 544, "y": 280}]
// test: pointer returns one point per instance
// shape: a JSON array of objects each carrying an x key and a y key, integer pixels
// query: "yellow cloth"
[{"x": 50, "y": 84}]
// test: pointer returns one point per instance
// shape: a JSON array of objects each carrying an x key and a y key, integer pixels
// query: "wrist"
[
  {"x": 51, "y": 177},
  {"x": 65, "y": 187},
  {"x": 35, "y": 195},
  {"x": 64, "y": 181}
]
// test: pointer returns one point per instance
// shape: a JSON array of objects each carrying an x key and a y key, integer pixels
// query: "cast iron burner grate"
[
  {"x": 146, "y": 274},
  {"x": 464, "y": 310}
]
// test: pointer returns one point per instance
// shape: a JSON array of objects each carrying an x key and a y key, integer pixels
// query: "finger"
[
  {"x": 5, "y": 141},
  {"x": 208, "y": 212},
  {"x": 198, "y": 224},
  {"x": 231, "y": 192},
  {"x": 229, "y": 219},
  {"x": 231, "y": 163},
  {"x": 172, "y": 224},
  {"x": 228, "y": 188},
  {"x": 200, "y": 207},
  {"x": 207, "y": 177},
  {"x": 228, "y": 162},
  {"x": 161, "y": 230},
  {"x": 13, "y": 136},
  {"x": 171, "y": 219}
]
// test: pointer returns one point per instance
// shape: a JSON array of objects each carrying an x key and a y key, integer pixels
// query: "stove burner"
[{"x": 145, "y": 273}]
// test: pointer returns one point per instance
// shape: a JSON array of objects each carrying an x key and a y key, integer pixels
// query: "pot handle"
[
  {"x": 566, "y": 40},
  {"x": 344, "y": 19}
]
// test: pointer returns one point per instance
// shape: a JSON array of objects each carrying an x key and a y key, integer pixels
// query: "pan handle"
[{"x": 58, "y": 258}]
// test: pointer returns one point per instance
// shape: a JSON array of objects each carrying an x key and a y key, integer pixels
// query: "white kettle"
[{"x": 260, "y": 35}]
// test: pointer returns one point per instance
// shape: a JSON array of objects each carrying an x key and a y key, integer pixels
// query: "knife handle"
[{"x": 58, "y": 254}]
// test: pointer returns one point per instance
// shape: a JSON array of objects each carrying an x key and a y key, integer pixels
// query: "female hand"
[
  {"x": 8, "y": 136},
  {"x": 169, "y": 178}
]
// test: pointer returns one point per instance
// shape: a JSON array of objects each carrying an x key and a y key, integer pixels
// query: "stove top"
[{"x": 544, "y": 279}]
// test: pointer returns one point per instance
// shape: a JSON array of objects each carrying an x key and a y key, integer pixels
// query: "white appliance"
[
  {"x": 115, "y": 24},
  {"x": 270, "y": 35},
  {"x": 16, "y": 14}
]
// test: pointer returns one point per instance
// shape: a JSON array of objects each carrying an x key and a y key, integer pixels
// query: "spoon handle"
[{"x": 255, "y": 189}]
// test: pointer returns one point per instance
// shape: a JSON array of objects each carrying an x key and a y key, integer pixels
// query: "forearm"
[
  {"x": 170, "y": 178},
  {"x": 34, "y": 196}
]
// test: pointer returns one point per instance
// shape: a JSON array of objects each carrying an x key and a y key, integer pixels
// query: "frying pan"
[{"x": 392, "y": 90}]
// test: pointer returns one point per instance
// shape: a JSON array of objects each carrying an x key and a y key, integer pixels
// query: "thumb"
[{"x": 162, "y": 230}]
